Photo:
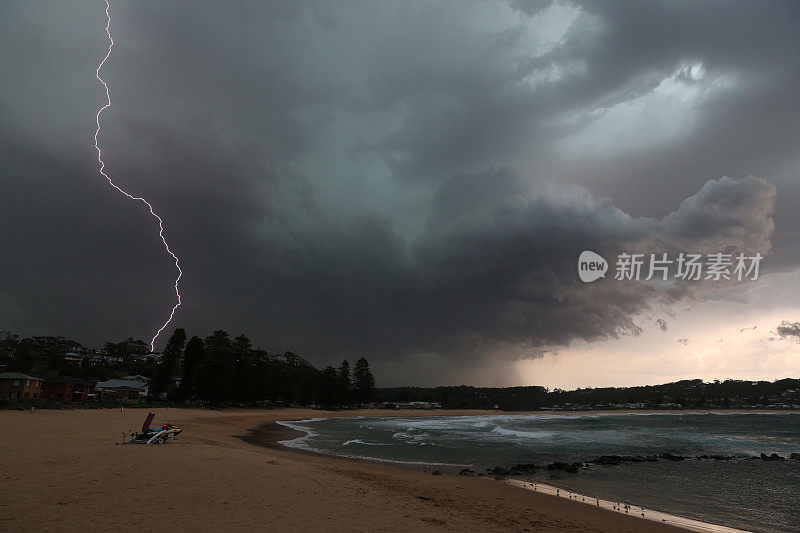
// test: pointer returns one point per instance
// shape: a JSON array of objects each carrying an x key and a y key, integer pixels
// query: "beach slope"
[{"x": 61, "y": 470}]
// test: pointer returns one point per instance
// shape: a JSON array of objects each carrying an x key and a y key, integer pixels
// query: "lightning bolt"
[{"x": 132, "y": 197}]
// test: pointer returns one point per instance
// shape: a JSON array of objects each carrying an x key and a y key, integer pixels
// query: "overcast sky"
[{"x": 409, "y": 181}]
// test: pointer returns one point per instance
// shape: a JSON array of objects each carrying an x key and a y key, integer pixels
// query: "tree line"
[{"x": 217, "y": 369}]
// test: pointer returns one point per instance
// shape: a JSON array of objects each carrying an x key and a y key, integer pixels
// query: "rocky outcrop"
[
  {"x": 672, "y": 457},
  {"x": 772, "y": 457},
  {"x": 607, "y": 460},
  {"x": 499, "y": 471},
  {"x": 571, "y": 468},
  {"x": 525, "y": 468}
]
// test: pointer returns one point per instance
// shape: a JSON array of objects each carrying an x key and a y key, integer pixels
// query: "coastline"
[
  {"x": 648, "y": 514},
  {"x": 57, "y": 468},
  {"x": 279, "y": 434}
]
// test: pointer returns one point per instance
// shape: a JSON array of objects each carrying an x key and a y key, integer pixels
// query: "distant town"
[{"x": 222, "y": 371}]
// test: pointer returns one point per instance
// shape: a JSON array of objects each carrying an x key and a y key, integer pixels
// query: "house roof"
[
  {"x": 121, "y": 384},
  {"x": 137, "y": 377},
  {"x": 17, "y": 375}
]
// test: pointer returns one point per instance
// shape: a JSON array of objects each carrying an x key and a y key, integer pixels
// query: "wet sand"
[{"x": 622, "y": 507}]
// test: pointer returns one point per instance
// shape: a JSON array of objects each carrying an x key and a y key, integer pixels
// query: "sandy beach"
[{"x": 61, "y": 470}]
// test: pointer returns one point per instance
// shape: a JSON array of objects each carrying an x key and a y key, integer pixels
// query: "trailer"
[{"x": 151, "y": 435}]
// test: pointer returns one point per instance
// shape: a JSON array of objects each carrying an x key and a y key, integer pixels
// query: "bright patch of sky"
[
  {"x": 723, "y": 339},
  {"x": 662, "y": 115}
]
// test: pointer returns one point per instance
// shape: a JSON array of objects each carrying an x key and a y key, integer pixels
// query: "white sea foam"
[
  {"x": 359, "y": 441},
  {"x": 410, "y": 437},
  {"x": 537, "y": 435},
  {"x": 299, "y": 442},
  {"x": 303, "y": 444}
]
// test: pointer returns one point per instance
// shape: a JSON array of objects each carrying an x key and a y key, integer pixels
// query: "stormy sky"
[{"x": 409, "y": 181}]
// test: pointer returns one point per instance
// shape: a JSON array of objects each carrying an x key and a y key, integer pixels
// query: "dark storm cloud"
[
  {"x": 747, "y": 127},
  {"x": 322, "y": 168},
  {"x": 499, "y": 255},
  {"x": 615, "y": 52},
  {"x": 789, "y": 330}
]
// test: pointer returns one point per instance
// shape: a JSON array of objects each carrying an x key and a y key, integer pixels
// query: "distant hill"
[{"x": 685, "y": 394}]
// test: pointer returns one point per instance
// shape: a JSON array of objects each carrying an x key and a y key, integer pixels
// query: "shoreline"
[
  {"x": 270, "y": 435},
  {"x": 58, "y": 468},
  {"x": 277, "y": 433},
  {"x": 689, "y": 524},
  {"x": 273, "y": 434}
]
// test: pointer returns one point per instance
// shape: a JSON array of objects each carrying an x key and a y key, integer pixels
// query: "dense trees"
[
  {"x": 218, "y": 369},
  {"x": 363, "y": 382},
  {"x": 221, "y": 370},
  {"x": 340, "y": 386},
  {"x": 191, "y": 361},
  {"x": 693, "y": 393},
  {"x": 329, "y": 387},
  {"x": 126, "y": 348},
  {"x": 162, "y": 381},
  {"x": 244, "y": 369},
  {"x": 47, "y": 356},
  {"x": 344, "y": 389}
]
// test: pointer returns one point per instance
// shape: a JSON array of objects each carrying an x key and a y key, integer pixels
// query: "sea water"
[{"x": 746, "y": 493}]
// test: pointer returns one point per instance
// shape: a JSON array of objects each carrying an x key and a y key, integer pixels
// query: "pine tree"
[
  {"x": 244, "y": 370},
  {"x": 345, "y": 388},
  {"x": 328, "y": 392},
  {"x": 192, "y": 361},
  {"x": 169, "y": 360},
  {"x": 217, "y": 373},
  {"x": 363, "y": 382}
]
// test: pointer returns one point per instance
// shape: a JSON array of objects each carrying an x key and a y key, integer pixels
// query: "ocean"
[{"x": 742, "y": 492}]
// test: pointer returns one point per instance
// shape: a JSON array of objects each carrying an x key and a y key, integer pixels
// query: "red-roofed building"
[{"x": 17, "y": 386}]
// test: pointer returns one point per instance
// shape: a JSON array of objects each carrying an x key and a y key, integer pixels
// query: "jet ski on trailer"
[{"x": 152, "y": 435}]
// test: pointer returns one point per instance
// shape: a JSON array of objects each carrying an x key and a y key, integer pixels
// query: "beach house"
[
  {"x": 66, "y": 389},
  {"x": 123, "y": 390},
  {"x": 17, "y": 386}
]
